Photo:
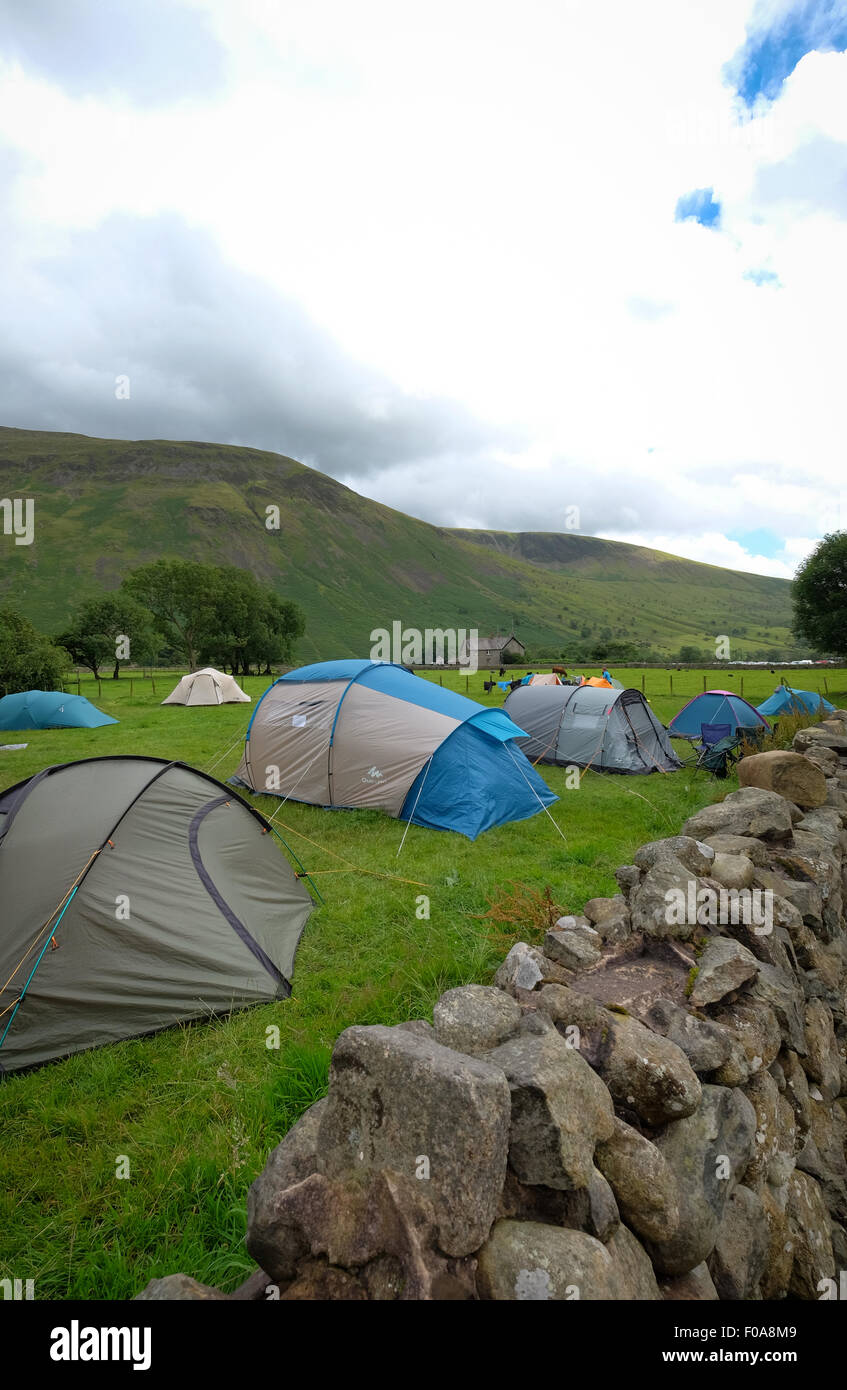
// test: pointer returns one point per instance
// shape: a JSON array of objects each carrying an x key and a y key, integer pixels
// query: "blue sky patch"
[
  {"x": 758, "y": 542},
  {"x": 768, "y": 56},
  {"x": 699, "y": 205},
  {"x": 762, "y": 277}
]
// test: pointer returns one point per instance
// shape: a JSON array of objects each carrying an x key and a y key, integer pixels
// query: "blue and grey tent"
[
  {"x": 346, "y": 734},
  {"x": 50, "y": 709},
  {"x": 786, "y": 700},
  {"x": 716, "y": 707}
]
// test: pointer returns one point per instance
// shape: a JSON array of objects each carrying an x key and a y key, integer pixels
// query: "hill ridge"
[{"x": 354, "y": 564}]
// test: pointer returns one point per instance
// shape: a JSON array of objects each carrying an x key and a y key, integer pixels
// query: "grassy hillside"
[{"x": 102, "y": 506}]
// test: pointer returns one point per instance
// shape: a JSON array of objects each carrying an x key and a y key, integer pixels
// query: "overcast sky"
[{"x": 483, "y": 261}]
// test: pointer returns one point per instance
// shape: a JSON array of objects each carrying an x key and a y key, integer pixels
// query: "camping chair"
[
  {"x": 713, "y": 733},
  {"x": 752, "y": 736},
  {"x": 720, "y": 749},
  {"x": 716, "y": 740},
  {"x": 718, "y": 758}
]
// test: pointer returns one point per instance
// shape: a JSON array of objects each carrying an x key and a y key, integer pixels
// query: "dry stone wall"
[{"x": 652, "y": 1105}]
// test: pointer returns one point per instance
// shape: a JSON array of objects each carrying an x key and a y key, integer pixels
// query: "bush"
[{"x": 28, "y": 659}]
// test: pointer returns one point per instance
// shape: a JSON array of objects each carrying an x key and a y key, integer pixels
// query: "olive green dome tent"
[{"x": 136, "y": 893}]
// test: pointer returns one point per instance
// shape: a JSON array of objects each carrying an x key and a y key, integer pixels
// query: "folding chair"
[
  {"x": 713, "y": 733},
  {"x": 718, "y": 750}
]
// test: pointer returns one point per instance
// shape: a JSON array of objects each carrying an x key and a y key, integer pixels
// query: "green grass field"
[{"x": 196, "y": 1109}]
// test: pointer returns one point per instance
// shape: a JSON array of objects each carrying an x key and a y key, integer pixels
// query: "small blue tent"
[
  {"x": 50, "y": 709},
  {"x": 373, "y": 734},
  {"x": 786, "y": 700},
  {"x": 715, "y": 707}
]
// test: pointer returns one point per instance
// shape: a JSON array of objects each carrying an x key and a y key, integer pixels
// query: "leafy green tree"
[
  {"x": 180, "y": 596},
  {"x": 216, "y": 613},
  {"x": 114, "y": 628},
  {"x": 690, "y": 655},
  {"x": 820, "y": 596},
  {"x": 28, "y": 659},
  {"x": 249, "y": 624}
]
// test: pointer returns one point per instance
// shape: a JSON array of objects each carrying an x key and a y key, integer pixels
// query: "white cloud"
[{"x": 476, "y": 204}]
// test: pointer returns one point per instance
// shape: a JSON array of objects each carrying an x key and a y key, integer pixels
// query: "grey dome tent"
[
  {"x": 591, "y": 726},
  {"x": 136, "y": 893}
]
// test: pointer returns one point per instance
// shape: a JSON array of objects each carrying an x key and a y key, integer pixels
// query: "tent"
[
  {"x": 544, "y": 678},
  {"x": 787, "y": 700},
  {"x": 610, "y": 730},
  {"x": 715, "y": 707},
  {"x": 207, "y": 687},
  {"x": 372, "y": 734},
  {"x": 50, "y": 709},
  {"x": 137, "y": 893}
]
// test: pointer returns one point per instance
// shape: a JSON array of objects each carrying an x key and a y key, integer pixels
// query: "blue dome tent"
[
  {"x": 371, "y": 734},
  {"x": 50, "y": 709},
  {"x": 786, "y": 700},
  {"x": 716, "y": 707}
]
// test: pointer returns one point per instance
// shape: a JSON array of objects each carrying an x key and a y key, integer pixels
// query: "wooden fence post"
[
  {"x": 99, "y": 689},
  {"x": 704, "y": 685},
  {"x": 467, "y": 686},
  {"x": 130, "y": 687},
  {"x": 742, "y": 686},
  {"x": 671, "y": 685},
  {"x": 825, "y": 686},
  {"x": 153, "y": 682}
]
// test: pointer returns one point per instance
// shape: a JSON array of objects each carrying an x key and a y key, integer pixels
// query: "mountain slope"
[{"x": 102, "y": 506}]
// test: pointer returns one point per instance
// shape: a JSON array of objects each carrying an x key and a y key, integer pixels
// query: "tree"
[
  {"x": 820, "y": 596},
  {"x": 692, "y": 656},
  {"x": 28, "y": 659},
  {"x": 217, "y": 613},
  {"x": 115, "y": 629},
  {"x": 250, "y": 624},
  {"x": 180, "y": 596}
]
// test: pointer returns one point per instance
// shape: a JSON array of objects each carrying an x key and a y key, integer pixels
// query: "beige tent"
[
  {"x": 544, "y": 678},
  {"x": 207, "y": 687}
]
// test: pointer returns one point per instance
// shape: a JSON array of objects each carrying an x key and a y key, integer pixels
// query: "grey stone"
[
  {"x": 706, "y": 1044},
  {"x": 732, "y": 870},
  {"x": 560, "y": 1108},
  {"x": 694, "y": 1287},
  {"x": 752, "y": 849},
  {"x": 750, "y": 811},
  {"x": 737, "y": 1262},
  {"x": 725, "y": 966},
  {"x": 821, "y": 1062},
  {"x": 294, "y": 1159},
  {"x": 526, "y": 1261},
  {"x": 644, "y": 1072},
  {"x": 755, "y": 1028},
  {"x": 809, "y": 1230},
  {"x": 789, "y": 774},
  {"x": 395, "y": 1097},
  {"x": 179, "y": 1287},
  {"x": 643, "y": 1184},
  {"x": 610, "y": 917},
  {"x": 708, "y": 1153},
  {"x": 695, "y": 856},
  {"x": 475, "y": 1018},
  {"x": 525, "y": 968},
  {"x": 577, "y": 949}
]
